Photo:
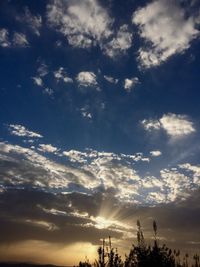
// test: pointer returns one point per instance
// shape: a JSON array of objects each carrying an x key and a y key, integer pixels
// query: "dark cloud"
[{"x": 43, "y": 216}]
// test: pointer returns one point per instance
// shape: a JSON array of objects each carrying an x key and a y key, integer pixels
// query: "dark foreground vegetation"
[
  {"x": 140, "y": 255},
  {"x": 6, "y": 264},
  {"x": 143, "y": 255}
]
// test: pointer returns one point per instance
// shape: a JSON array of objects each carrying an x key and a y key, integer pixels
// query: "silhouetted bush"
[{"x": 142, "y": 255}]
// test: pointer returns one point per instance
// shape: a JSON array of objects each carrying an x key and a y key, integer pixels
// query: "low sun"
[{"x": 102, "y": 223}]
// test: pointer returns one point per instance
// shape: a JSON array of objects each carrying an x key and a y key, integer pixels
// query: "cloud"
[
  {"x": 47, "y": 148},
  {"x": 111, "y": 79},
  {"x": 38, "y": 81},
  {"x": 60, "y": 74},
  {"x": 50, "y": 217},
  {"x": 83, "y": 23},
  {"x": 41, "y": 73},
  {"x": 20, "y": 40},
  {"x": 129, "y": 84},
  {"x": 33, "y": 22},
  {"x": 87, "y": 79},
  {"x": 119, "y": 44},
  {"x": 86, "y": 113},
  {"x": 19, "y": 130},
  {"x": 4, "y": 40},
  {"x": 42, "y": 69},
  {"x": 176, "y": 184},
  {"x": 16, "y": 40},
  {"x": 87, "y": 24},
  {"x": 194, "y": 169},
  {"x": 150, "y": 124},
  {"x": 48, "y": 91},
  {"x": 166, "y": 30},
  {"x": 90, "y": 171},
  {"x": 155, "y": 153},
  {"x": 176, "y": 126},
  {"x": 83, "y": 172}
]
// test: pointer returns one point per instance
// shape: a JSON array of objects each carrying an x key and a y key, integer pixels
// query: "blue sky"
[{"x": 99, "y": 99}]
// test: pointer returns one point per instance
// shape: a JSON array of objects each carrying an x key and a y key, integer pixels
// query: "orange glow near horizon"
[{"x": 48, "y": 253}]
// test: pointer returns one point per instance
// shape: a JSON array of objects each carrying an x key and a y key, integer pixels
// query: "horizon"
[{"x": 99, "y": 126}]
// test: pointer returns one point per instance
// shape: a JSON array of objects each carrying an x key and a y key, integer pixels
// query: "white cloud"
[
  {"x": 87, "y": 24},
  {"x": 83, "y": 23},
  {"x": 75, "y": 156},
  {"x": 155, "y": 153},
  {"x": 177, "y": 185},
  {"x": 176, "y": 126},
  {"x": 35, "y": 169},
  {"x": 38, "y": 81},
  {"x": 150, "y": 125},
  {"x": 19, "y": 130},
  {"x": 20, "y": 40},
  {"x": 60, "y": 74},
  {"x": 195, "y": 169},
  {"x": 167, "y": 30},
  {"x": 4, "y": 40},
  {"x": 87, "y": 79},
  {"x": 119, "y": 44},
  {"x": 110, "y": 79},
  {"x": 33, "y": 22},
  {"x": 129, "y": 84},
  {"x": 47, "y": 148}
]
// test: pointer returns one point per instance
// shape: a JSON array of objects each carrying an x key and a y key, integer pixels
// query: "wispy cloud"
[
  {"x": 4, "y": 38},
  {"x": 19, "y": 130},
  {"x": 86, "y": 113},
  {"x": 16, "y": 40},
  {"x": 42, "y": 69},
  {"x": 34, "y": 22},
  {"x": 119, "y": 44},
  {"x": 38, "y": 81},
  {"x": 111, "y": 79},
  {"x": 60, "y": 74},
  {"x": 20, "y": 40}
]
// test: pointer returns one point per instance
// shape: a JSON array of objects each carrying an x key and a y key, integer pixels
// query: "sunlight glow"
[
  {"x": 102, "y": 223},
  {"x": 105, "y": 223}
]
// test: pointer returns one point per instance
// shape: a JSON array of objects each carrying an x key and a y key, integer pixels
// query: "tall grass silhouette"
[{"x": 142, "y": 254}]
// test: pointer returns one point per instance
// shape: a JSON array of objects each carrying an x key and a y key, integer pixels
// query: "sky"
[{"x": 99, "y": 126}]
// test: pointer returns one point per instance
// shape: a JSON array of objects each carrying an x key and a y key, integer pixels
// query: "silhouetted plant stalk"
[{"x": 142, "y": 255}]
